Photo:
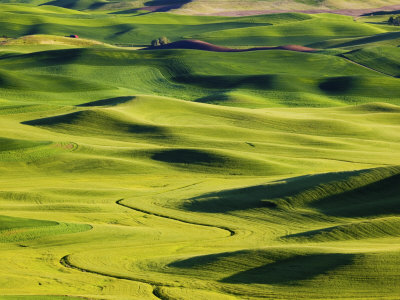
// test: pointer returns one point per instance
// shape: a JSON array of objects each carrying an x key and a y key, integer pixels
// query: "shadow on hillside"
[
  {"x": 35, "y": 29},
  {"x": 70, "y": 4},
  {"x": 381, "y": 13},
  {"x": 292, "y": 270},
  {"x": 166, "y": 2},
  {"x": 261, "y": 82},
  {"x": 97, "y": 5},
  {"x": 47, "y": 58},
  {"x": 338, "y": 85},
  {"x": 165, "y": 5},
  {"x": 188, "y": 156},
  {"x": 268, "y": 196},
  {"x": 274, "y": 267},
  {"x": 365, "y": 40},
  {"x": 377, "y": 198},
  {"x": 155, "y": 6},
  {"x": 108, "y": 102},
  {"x": 82, "y": 121},
  {"x": 345, "y": 194},
  {"x": 121, "y": 29}
]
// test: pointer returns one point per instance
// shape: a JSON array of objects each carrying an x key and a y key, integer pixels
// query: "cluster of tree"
[
  {"x": 394, "y": 21},
  {"x": 160, "y": 41}
]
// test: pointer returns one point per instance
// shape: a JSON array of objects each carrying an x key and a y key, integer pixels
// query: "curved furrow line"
[
  {"x": 64, "y": 261},
  {"x": 230, "y": 231},
  {"x": 364, "y": 66}
]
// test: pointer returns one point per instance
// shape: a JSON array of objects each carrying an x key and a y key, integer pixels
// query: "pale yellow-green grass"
[
  {"x": 50, "y": 40},
  {"x": 184, "y": 174},
  {"x": 209, "y": 6},
  {"x": 181, "y": 200}
]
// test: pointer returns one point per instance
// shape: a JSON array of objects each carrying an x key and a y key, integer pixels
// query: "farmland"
[{"x": 130, "y": 172}]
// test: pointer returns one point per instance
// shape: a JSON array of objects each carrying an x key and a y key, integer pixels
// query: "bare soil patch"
[{"x": 201, "y": 45}]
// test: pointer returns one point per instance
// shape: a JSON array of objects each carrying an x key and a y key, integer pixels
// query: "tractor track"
[
  {"x": 155, "y": 286},
  {"x": 65, "y": 261},
  {"x": 230, "y": 231},
  {"x": 366, "y": 67}
]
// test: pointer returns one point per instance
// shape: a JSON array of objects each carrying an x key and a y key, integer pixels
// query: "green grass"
[
  {"x": 383, "y": 59},
  {"x": 204, "y": 6},
  {"x": 17, "y": 229},
  {"x": 137, "y": 28},
  {"x": 319, "y": 27},
  {"x": 185, "y": 174},
  {"x": 237, "y": 168},
  {"x": 201, "y": 6},
  {"x": 262, "y": 78},
  {"x": 53, "y": 297}
]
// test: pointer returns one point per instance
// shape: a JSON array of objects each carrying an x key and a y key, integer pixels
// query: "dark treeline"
[{"x": 394, "y": 21}]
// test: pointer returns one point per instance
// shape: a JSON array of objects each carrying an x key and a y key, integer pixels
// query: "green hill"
[
  {"x": 204, "y": 6},
  {"x": 383, "y": 59},
  {"x": 146, "y": 173}
]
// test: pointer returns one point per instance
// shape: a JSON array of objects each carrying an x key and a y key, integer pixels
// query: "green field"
[
  {"x": 184, "y": 174},
  {"x": 209, "y": 6}
]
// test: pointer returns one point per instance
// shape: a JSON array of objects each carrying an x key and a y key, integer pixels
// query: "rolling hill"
[
  {"x": 224, "y": 7},
  {"x": 252, "y": 157}
]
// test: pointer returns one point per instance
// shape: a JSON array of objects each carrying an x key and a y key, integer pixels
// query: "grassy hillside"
[
  {"x": 206, "y": 6},
  {"x": 193, "y": 199},
  {"x": 250, "y": 79},
  {"x": 383, "y": 59},
  {"x": 257, "y": 6},
  {"x": 185, "y": 174},
  {"x": 139, "y": 28}
]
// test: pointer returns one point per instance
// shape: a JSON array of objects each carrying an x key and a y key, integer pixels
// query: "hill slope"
[{"x": 169, "y": 173}]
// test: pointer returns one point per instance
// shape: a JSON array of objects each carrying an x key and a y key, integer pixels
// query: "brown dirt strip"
[
  {"x": 347, "y": 12},
  {"x": 200, "y": 45}
]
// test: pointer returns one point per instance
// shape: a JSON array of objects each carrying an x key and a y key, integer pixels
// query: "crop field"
[{"x": 208, "y": 169}]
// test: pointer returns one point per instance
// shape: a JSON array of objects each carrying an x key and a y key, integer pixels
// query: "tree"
[
  {"x": 164, "y": 40},
  {"x": 155, "y": 43},
  {"x": 160, "y": 41},
  {"x": 395, "y": 21}
]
